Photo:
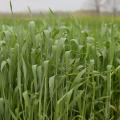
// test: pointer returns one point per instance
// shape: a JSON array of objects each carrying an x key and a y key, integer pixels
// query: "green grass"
[{"x": 60, "y": 68}]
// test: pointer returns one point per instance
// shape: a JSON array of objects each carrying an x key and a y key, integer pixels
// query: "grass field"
[{"x": 60, "y": 68}]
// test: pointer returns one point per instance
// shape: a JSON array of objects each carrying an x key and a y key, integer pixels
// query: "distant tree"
[
  {"x": 114, "y": 7},
  {"x": 97, "y": 6}
]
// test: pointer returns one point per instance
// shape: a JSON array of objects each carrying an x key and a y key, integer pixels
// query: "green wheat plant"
[{"x": 59, "y": 69}]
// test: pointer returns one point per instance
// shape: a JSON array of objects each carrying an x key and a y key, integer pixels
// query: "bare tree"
[
  {"x": 106, "y": 4},
  {"x": 114, "y": 7},
  {"x": 97, "y": 6},
  {"x": 102, "y": 3}
]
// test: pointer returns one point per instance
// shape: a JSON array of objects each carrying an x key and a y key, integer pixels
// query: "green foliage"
[{"x": 59, "y": 69}]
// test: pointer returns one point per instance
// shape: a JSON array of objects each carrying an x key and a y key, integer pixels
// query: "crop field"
[{"x": 60, "y": 68}]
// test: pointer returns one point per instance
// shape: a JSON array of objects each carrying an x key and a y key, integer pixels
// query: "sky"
[
  {"x": 42, "y": 5},
  {"x": 55, "y": 5}
]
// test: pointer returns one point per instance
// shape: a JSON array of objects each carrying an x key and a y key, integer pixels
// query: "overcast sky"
[
  {"x": 37, "y": 5},
  {"x": 55, "y": 5}
]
